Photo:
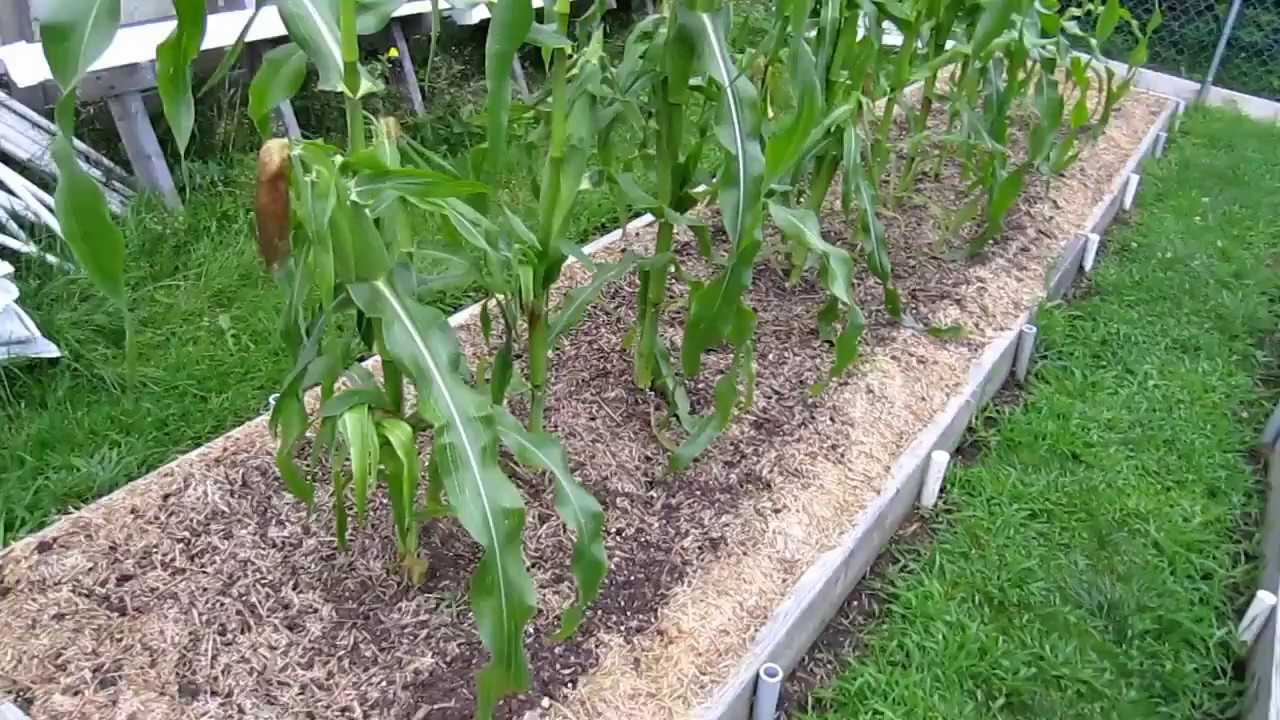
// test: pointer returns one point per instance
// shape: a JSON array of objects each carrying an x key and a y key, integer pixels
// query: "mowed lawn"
[{"x": 1093, "y": 560}]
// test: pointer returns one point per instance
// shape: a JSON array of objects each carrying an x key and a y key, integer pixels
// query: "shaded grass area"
[{"x": 1093, "y": 561}]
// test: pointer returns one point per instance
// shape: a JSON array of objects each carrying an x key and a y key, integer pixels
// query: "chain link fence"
[{"x": 1188, "y": 39}]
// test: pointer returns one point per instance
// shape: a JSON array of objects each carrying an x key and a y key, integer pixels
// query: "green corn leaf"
[
  {"x": 404, "y": 469},
  {"x": 465, "y": 453},
  {"x": 801, "y": 227},
  {"x": 873, "y": 237},
  {"x": 574, "y": 306},
  {"x": 85, "y": 218},
  {"x": 783, "y": 150},
  {"x": 714, "y": 306},
  {"x": 288, "y": 421},
  {"x": 357, "y": 431},
  {"x": 997, "y": 16},
  {"x": 278, "y": 80},
  {"x": 576, "y": 507},
  {"x": 313, "y": 25},
  {"x": 1107, "y": 21},
  {"x": 380, "y": 188},
  {"x": 339, "y": 404},
  {"x": 707, "y": 428},
  {"x": 74, "y": 34},
  {"x": 174, "y": 57},
  {"x": 512, "y": 20},
  {"x": 373, "y": 15},
  {"x": 338, "y": 478},
  {"x": 848, "y": 342},
  {"x": 545, "y": 36}
]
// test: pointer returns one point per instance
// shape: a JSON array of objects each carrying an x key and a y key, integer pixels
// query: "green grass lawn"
[{"x": 1093, "y": 562}]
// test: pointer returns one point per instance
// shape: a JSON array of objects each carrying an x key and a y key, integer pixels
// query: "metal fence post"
[{"x": 1217, "y": 54}]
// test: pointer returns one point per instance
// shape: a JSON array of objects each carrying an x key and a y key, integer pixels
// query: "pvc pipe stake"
[
  {"x": 932, "y": 488},
  {"x": 1093, "y": 240},
  {"x": 1161, "y": 139},
  {"x": 1026, "y": 348},
  {"x": 1264, "y": 603},
  {"x": 1130, "y": 190},
  {"x": 9, "y": 711},
  {"x": 1177, "y": 115},
  {"x": 768, "y": 690}
]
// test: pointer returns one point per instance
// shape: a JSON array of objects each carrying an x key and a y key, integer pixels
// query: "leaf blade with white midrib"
[
  {"x": 713, "y": 307},
  {"x": 465, "y": 451},
  {"x": 576, "y": 507}
]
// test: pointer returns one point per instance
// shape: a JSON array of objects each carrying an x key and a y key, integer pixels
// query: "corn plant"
[
  {"x": 333, "y": 227},
  {"x": 678, "y": 67}
]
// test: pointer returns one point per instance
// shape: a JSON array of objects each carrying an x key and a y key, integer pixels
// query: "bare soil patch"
[{"x": 205, "y": 590}]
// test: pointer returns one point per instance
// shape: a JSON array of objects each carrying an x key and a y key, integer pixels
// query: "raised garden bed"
[{"x": 205, "y": 590}]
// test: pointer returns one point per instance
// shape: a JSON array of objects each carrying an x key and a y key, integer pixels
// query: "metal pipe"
[{"x": 1217, "y": 54}]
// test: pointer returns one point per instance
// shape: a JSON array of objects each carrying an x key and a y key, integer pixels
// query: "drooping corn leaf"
[
  {"x": 313, "y": 25},
  {"x": 801, "y": 227},
  {"x": 707, "y": 428},
  {"x": 174, "y": 57},
  {"x": 576, "y": 507},
  {"x": 357, "y": 431},
  {"x": 404, "y": 469},
  {"x": 74, "y": 35},
  {"x": 873, "y": 237},
  {"x": 571, "y": 309},
  {"x": 713, "y": 307},
  {"x": 278, "y": 80},
  {"x": 848, "y": 342},
  {"x": 1108, "y": 19},
  {"x": 288, "y": 421},
  {"x": 465, "y": 454}
]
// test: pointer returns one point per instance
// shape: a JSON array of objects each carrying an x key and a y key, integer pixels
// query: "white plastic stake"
[
  {"x": 1264, "y": 603},
  {"x": 1177, "y": 115},
  {"x": 937, "y": 471},
  {"x": 1026, "y": 348},
  {"x": 1131, "y": 190},
  {"x": 768, "y": 689},
  {"x": 9, "y": 711},
  {"x": 1161, "y": 139},
  {"x": 1092, "y": 240}
]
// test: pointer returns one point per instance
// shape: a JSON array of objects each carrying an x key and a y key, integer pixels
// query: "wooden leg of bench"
[
  {"x": 410, "y": 75},
  {"x": 140, "y": 142},
  {"x": 517, "y": 72}
]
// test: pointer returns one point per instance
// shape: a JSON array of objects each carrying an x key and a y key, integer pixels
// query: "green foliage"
[{"x": 773, "y": 112}]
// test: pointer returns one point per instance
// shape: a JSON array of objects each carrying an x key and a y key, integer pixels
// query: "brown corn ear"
[{"x": 274, "y": 222}]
